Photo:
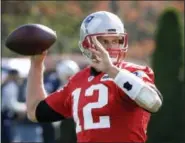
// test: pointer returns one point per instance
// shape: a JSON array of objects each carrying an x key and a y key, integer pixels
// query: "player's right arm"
[
  {"x": 40, "y": 108},
  {"x": 35, "y": 91}
]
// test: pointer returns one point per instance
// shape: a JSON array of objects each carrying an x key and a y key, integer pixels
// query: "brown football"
[{"x": 31, "y": 39}]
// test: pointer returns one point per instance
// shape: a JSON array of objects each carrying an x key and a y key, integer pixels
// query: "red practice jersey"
[{"x": 101, "y": 110}]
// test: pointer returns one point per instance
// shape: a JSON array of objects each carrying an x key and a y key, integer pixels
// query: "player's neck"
[{"x": 94, "y": 72}]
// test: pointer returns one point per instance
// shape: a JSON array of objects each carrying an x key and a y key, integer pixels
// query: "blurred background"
[{"x": 156, "y": 38}]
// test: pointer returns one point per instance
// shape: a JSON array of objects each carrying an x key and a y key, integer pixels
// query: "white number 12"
[{"x": 104, "y": 121}]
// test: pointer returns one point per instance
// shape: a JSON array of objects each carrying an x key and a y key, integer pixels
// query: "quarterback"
[{"x": 111, "y": 100}]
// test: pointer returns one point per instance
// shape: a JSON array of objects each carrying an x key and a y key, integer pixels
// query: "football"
[{"x": 31, "y": 39}]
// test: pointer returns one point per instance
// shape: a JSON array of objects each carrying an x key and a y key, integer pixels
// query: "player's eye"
[
  {"x": 121, "y": 41},
  {"x": 105, "y": 42},
  {"x": 115, "y": 41}
]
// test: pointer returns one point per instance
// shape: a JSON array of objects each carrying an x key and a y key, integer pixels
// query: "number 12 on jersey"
[{"x": 104, "y": 121}]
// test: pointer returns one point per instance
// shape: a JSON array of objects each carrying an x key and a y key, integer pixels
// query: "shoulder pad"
[{"x": 139, "y": 70}]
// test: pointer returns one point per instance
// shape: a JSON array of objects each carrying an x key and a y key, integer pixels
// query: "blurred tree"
[
  {"x": 167, "y": 126},
  {"x": 49, "y": 13},
  {"x": 18, "y": 7},
  {"x": 114, "y": 6},
  {"x": 65, "y": 18},
  {"x": 87, "y": 6}
]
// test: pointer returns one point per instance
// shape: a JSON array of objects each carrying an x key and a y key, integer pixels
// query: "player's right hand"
[{"x": 38, "y": 59}]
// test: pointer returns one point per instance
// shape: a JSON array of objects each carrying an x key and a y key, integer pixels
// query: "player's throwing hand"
[{"x": 38, "y": 59}]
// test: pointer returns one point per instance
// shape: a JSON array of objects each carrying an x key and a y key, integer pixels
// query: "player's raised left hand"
[{"x": 101, "y": 60}]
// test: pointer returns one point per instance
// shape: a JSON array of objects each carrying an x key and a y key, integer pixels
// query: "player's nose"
[{"x": 109, "y": 45}]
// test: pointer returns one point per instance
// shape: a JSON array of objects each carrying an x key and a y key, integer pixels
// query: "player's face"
[
  {"x": 113, "y": 45},
  {"x": 109, "y": 41}
]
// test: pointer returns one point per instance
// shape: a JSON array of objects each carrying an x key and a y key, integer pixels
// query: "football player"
[
  {"x": 111, "y": 100},
  {"x": 66, "y": 69}
]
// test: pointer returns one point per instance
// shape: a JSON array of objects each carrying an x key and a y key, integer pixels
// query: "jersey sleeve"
[{"x": 60, "y": 101}]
